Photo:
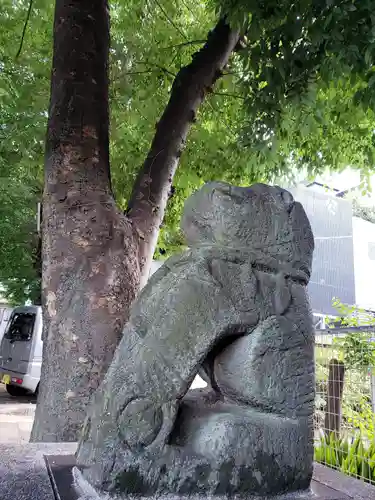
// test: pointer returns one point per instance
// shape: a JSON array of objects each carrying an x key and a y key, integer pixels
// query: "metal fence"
[{"x": 345, "y": 401}]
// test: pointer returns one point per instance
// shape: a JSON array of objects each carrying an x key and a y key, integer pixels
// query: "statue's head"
[{"x": 258, "y": 217}]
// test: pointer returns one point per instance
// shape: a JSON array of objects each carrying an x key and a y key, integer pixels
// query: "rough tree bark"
[
  {"x": 91, "y": 252},
  {"x": 90, "y": 264},
  {"x": 37, "y": 262},
  {"x": 151, "y": 189}
]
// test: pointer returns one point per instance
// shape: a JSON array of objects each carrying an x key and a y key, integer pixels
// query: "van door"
[
  {"x": 5, "y": 314},
  {"x": 16, "y": 345}
]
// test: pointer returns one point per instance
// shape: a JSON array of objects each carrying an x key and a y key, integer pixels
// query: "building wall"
[
  {"x": 364, "y": 263},
  {"x": 333, "y": 263}
]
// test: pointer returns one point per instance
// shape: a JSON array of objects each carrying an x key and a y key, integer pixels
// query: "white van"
[{"x": 21, "y": 351}]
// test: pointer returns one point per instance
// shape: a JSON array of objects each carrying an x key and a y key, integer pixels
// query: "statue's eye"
[{"x": 288, "y": 200}]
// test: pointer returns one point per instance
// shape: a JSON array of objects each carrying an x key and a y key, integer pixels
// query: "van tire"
[
  {"x": 36, "y": 391},
  {"x": 16, "y": 391}
]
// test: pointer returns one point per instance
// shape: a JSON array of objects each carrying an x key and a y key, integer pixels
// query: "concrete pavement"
[{"x": 16, "y": 418}]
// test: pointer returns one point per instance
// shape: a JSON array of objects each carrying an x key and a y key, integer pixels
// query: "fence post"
[
  {"x": 372, "y": 381},
  {"x": 335, "y": 388}
]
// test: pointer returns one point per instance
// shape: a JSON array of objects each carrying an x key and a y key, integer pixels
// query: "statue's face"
[{"x": 258, "y": 217}]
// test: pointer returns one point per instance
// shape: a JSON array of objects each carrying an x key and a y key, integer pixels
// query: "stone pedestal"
[
  {"x": 44, "y": 472},
  {"x": 23, "y": 471}
]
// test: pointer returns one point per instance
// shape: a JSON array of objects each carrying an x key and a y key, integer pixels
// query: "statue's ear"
[
  {"x": 303, "y": 237},
  {"x": 288, "y": 200}
]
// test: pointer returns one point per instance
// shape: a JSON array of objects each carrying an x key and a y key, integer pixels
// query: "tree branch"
[
  {"x": 193, "y": 42},
  {"x": 172, "y": 23},
  {"x": 148, "y": 71},
  {"x": 229, "y": 95},
  {"x": 191, "y": 12},
  {"x": 152, "y": 187},
  {"x": 24, "y": 28},
  {"x": 162, "y": 68}
]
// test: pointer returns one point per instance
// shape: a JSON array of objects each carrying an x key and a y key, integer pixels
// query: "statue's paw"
[
  {"x": 140, "y": 423},
  {"x": 144, "y": 423}
]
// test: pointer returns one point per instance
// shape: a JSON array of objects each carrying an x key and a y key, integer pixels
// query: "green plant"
[
  {"x": 357, "y": 414},
  {"x": 358, "y": 350},
  {"x": 352, "y": 458},
  {"x": 361, "y": 417}
]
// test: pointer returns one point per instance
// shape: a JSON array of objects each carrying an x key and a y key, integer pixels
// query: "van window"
[{"x": 21, "y": 327}]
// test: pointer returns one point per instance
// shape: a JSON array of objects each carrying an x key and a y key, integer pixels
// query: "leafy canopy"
[{"x": 299, "y": 94}]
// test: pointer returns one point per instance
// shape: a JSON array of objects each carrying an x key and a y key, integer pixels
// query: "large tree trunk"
[
  {"x": 37, "y": 262},
  {"x": 151, "y": 190},
  {"x": 90, "y": 262},
  {"x": 91, "y": 252}
]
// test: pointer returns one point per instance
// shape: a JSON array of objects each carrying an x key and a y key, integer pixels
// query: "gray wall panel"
[{"x": 333, "y": 264}]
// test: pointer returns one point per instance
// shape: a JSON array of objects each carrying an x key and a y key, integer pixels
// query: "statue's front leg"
[{"x": 133, "y": 413}]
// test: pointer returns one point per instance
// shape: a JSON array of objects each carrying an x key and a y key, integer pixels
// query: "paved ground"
[{"x": 16, "y": 418}]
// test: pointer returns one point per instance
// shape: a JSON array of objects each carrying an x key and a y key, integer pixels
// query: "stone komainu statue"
[{"x": 233, "y": 308}]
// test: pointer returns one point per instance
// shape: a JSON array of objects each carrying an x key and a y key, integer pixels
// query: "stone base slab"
[
  {"x": 44, "y": 472},
  {"x": 23, "y": 471}
]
